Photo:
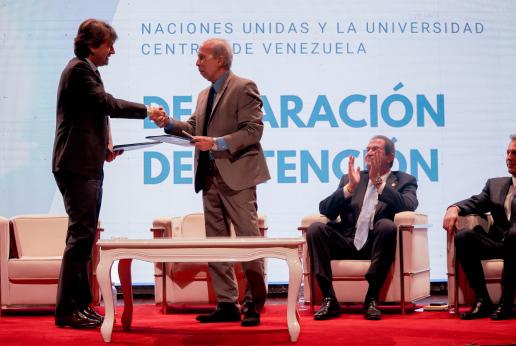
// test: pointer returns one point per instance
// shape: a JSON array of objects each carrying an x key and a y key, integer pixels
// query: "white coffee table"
[{"x": 193, "y": 250}]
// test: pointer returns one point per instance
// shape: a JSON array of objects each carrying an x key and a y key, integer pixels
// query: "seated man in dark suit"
[
  {"x": 366, "y": 203},
  {"x": 474, "y": 245}
]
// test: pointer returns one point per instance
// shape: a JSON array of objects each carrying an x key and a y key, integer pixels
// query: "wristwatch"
[{"x": 378, "y": 182}]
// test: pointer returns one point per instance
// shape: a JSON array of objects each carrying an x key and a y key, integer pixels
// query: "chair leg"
[
  {"x": 312, "y": 295},
  {"x": 456, "y": 288},
  {"x": 164, "y": 309},
  {"x": 402, "y": 272}
]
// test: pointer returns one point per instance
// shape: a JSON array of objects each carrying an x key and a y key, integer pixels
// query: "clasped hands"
[
  {"x": 374, "y": 162},
  {"x": 158, "y": 115},
  {"x": 161, "y": 119}
]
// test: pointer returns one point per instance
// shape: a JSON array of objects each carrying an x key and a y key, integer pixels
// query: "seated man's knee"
[
  {"x": 510, "y": 237},
  {"x": 315, "y": 231},
  {"x": 463, "y": 236},
  {"x": 386, "y": 227}
]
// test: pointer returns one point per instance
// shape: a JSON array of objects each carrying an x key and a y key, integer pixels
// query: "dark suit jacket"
[
  {"x": 237, "y": 117},
  {"x": 83, "y": 106},
  {"x": 398, "y": 195},
  {"x": 491, "y": 199}
]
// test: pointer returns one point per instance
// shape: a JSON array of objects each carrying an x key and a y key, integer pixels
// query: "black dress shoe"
[
  {"x": 330, "y": 308},
  {"x": 76, "y": 320},
  {"x": 371, "y": 311},
  {"x": 481, "y": 308},
  {"x": 92, "y": 314},
  {"x": 251, "y": 315},
  {"x": 502, "y": 312},
  {"x": 225, "y": 312}
]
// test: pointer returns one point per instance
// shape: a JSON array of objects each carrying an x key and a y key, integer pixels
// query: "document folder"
[{"x": 185, "y": 142}]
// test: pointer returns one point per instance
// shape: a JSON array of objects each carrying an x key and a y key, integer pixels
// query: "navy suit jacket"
[
  {"x": 80, "y": 144},
  {"x": 399, "y": 194},
  {"x": 490, "y": 200}
]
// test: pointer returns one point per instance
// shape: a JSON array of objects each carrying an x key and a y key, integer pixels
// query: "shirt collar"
[
  {"x": 384, "y": 177},
  {"x": 514, "y": 182},
  {"x": 218, "y": 83},
  {"x": 92, "y": 64}
]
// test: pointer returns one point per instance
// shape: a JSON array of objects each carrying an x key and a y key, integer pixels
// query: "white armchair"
[
  {"x": 408, "y": 280},
  {"x": 459, "y": 292},
  {"x": 188, "y": 284},
  {"x": 31, "y": 249}
]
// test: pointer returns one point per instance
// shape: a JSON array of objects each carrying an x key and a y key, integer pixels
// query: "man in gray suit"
[
  {"x": 229, "y": 162},
  {"x": 474, "y": 245}
]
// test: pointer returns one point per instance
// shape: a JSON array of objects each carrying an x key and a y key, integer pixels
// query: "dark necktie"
[
  {"x": 203, "y": 164},
  {"x": 98, "y": 75},
  {"x": 513, "y": 209},
  {"x": 209, "y": 107}
]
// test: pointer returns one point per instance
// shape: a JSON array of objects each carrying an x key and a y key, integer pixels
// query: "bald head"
[
  {"x": 214, "y": 59},
  {"x": 220, "y": 49}
]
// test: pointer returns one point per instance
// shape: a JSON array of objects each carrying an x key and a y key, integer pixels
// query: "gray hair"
[{"x": 221, "y": 48}]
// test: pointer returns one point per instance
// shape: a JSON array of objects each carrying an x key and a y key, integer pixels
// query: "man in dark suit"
[
  {"x": 366, "y": 203},
  {"x": 229, "y": 162},
  {"x": 82, "y": 143},
  {"x": 474, "y": 245}
]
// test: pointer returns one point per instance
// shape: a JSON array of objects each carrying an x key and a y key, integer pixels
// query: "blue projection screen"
[{"x": 439, "y": 77}]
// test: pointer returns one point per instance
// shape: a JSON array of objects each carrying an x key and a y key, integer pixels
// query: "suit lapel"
[
  {"x": 96, "y": 72},
  {"x": 201, "y": 116},
  {"x": 218, "y": 96},
  {"x": 504, "y": 190},
  {"x": 391, "y": 182}
]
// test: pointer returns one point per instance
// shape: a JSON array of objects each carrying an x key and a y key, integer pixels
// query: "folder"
[
  {"x": 134, "y": 146},
  {"x": 185, "y": 142}
]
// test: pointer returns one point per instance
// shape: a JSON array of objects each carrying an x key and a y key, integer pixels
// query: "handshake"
[{"x": 158, "y": 115}]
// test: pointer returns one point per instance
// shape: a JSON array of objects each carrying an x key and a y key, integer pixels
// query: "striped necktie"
[{"x": 364, "y": 219}]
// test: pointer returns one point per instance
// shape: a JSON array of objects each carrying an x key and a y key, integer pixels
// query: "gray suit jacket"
[
  {"x": 491, "y": 199},
  {"x": 237, "y": 117}
]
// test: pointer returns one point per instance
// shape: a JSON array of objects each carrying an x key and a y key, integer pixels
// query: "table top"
[{"x": 212, "y": 242}]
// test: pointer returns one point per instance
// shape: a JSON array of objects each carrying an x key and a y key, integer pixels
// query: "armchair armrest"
[
  {"x": 410, "y": 218},
  {"x": 262, "y": 223},
  {"x": 162, "y": 227},
  {"x": 310, "y": 219},
  {"x": 4, "y": 237},
  {"x": 470, "y": 221},
  {"x": 4, "y": 254}
]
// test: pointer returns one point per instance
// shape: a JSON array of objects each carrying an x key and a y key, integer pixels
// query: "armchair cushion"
[{"x": 32, "y": 269}]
